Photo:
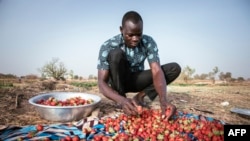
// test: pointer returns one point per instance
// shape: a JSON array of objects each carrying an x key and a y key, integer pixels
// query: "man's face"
[{"x": 132, "y": 33}]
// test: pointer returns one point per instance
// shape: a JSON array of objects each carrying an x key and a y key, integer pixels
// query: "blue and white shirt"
[{"x": 136, "y": 56}]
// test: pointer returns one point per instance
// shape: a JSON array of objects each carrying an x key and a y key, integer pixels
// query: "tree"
[
  {"x": 76, "y": 77},
  {"x": 202, "y": 76},
  {"x": 240, "y": 79},
  {"x": 54, "y": 69},
  {"x": 187, "y": 73},
  {"x": 91, "y": 76},
  {"x": 226, "y": 76},
  {"x": 80, "y": 78},
  {"x": 213, "y": 74},
  {"x": 71, "y": 74}
]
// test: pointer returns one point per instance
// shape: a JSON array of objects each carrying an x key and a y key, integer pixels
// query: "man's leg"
[
  {"x": 143, "y": 81},
  {"x": 118, "y": 70},
  {"x": 171, "y": 72}
]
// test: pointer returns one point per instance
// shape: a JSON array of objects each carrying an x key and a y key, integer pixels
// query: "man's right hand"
[
  {"x": 129, "y": 106},
  {"x": 168, "y": 110}
]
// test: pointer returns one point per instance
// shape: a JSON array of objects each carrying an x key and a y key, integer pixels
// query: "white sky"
[{"x": 200, "y": 34}]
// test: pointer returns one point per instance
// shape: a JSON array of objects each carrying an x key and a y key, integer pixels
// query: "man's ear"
[{"x": 121, "y": 29}]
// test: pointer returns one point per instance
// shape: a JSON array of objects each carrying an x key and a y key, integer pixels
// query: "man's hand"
[
  {"x": 129, "y": 106},
  {"x": 168, "y": 110}
]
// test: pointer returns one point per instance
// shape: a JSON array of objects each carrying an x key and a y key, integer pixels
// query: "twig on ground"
[{"x": 205, "y": 111}]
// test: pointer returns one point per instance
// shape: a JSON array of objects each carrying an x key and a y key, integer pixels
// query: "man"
[{"x": 121, "y": 68}]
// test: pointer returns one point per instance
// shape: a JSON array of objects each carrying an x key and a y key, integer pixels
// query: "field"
[{"x": 205, "y": 99}]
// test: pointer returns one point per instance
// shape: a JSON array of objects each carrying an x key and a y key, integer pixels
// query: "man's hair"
[{"x": 131, "y": 16}]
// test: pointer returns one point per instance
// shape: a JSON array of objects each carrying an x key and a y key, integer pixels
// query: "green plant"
[
  {"x": 86, "y": 85},
  {"x": 4, "y": 84}
]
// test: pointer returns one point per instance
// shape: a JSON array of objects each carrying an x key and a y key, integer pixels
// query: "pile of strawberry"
[
  {"x": 149, "y": 126},
  {"x": 73, "y": 101}
]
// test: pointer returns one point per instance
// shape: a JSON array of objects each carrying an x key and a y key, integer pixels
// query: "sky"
[{"x": 201, "y": 34}]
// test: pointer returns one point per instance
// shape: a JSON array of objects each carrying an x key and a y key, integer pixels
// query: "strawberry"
[
  {"x": 39, "y": 127},
  {"x": 31, "y": 134},
  {"x": 75, "y": 138},
  {"x": 68, "y": 138}
]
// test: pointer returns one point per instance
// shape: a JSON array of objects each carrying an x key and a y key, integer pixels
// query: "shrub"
[
  {"x": 49, "y": 85},
  {"x": 87, "y": 85}
]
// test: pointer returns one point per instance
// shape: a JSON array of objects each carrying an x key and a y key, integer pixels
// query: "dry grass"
[{"x": 207, "y": 100}]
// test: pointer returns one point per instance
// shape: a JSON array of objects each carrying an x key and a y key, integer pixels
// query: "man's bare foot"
[{"x": 139, "y": 99}]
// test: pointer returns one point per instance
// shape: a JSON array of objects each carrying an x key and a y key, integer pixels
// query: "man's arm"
[
  {"x": 105, "y": 89},
  {"x": 159, "y": 81},
  {"x": 128, "y": 105},
  {"x": 161, "y": 88}
]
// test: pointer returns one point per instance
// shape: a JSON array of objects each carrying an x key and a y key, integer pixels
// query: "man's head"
[{"x": 132, "y": 28}]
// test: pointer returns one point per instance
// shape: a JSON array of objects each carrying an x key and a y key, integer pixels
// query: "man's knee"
[
  {"x": 177, "y": 68},
  {"x": 172, "y": 67},
  {"x": 116, "y": 54},
  {"x": 171, "y": 71}
]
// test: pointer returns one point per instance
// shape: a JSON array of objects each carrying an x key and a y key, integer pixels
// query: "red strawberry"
[
  {"x": 39, "y": 127},
  {"x": 75, "y": 138}
]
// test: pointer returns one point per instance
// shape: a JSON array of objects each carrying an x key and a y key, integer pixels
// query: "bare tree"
[
  {"x": 54, "y": 69},
  {"x": 71, "y": 74},
  {"x": 187, "y": 73},
  {"x": 213, "y": 74}
]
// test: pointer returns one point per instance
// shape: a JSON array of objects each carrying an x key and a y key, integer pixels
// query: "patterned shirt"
[{"x": 136, "y": 56}]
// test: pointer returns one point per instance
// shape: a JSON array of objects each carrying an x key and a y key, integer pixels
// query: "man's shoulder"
[
  {"x": 114, "y": 40},
  {"x": 146, "y": 39},
  {"x": 146, "y": 36}
]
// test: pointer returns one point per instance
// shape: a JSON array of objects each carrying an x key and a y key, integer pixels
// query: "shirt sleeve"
[
  {"x": 152, "y": 50},
  {"x": 102, "y": 63}
]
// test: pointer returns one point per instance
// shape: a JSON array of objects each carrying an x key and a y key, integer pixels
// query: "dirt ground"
[{"x": 205, "y": 100}]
